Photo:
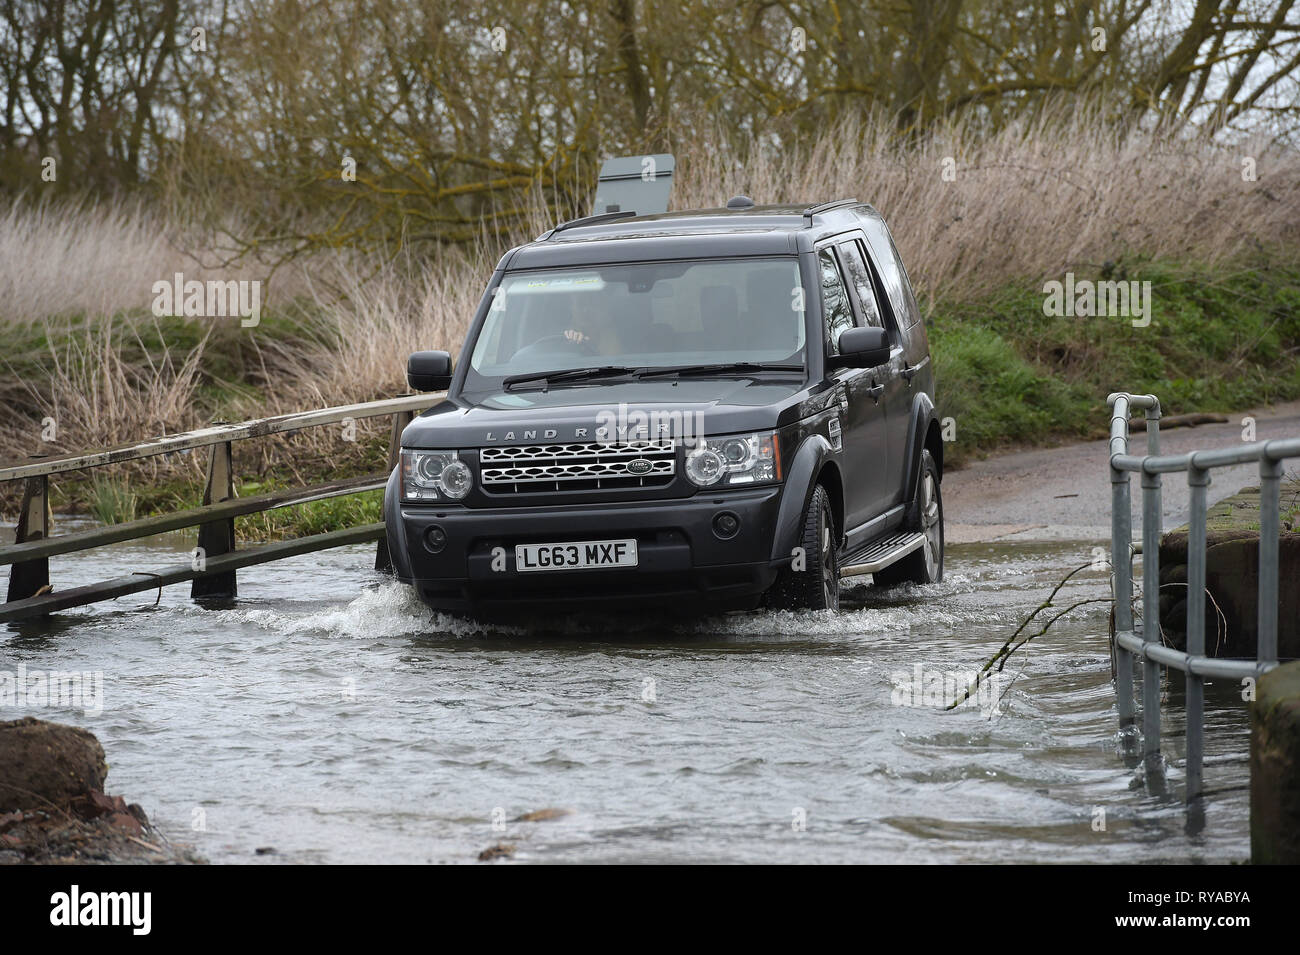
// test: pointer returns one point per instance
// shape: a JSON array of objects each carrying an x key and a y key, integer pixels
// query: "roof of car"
[{"x": 695, "y": 233}]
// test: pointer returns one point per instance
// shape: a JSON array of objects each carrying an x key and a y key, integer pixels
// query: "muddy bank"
[{"x": 53, "y": 808}]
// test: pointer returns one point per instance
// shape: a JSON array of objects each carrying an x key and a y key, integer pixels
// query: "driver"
[{"x": 595, "y": 328}]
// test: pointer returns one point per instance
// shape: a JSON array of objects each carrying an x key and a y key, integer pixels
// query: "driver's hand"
[{"x": 573, "y": 335}]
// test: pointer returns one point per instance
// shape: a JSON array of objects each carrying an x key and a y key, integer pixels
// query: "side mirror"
[
  {"x": 863, "y": 347},
  {"x": 428, "y": 371}
]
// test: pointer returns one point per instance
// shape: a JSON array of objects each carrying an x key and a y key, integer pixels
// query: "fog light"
[
  {"x": 726, "y": 525},
  {"x": 435, "y": 539}
]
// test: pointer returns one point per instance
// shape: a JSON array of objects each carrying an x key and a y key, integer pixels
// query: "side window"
[
  {"x": 860, "y": 278},
  {"x": 886, "y": 255},
  {"x": 835, "y": 301}
]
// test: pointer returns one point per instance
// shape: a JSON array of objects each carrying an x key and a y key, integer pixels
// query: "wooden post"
[
  {"x": 217, "y": 537},
  {"x": 384, "y": 560},
  {"x": 30, "y": 576}
]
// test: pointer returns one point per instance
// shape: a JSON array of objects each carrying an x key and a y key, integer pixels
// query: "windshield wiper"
[
  {"x": 568, "y": 374},
  {"x": 719, "y": 368}
]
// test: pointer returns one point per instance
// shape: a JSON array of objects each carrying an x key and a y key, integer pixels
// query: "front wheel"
[
  {"x": 925, "y": 565},
  {"x": 812, "y": 582}
]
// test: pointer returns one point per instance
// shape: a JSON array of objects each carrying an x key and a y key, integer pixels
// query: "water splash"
[{"x": 390, "y": 609}]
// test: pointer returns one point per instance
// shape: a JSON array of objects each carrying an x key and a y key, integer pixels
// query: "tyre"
[
  {"x": 817, "y": 585},
  {"x": 924, "y": 566}
]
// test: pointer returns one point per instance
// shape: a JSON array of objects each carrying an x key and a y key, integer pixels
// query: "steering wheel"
[{"x": 555, "y": 345}]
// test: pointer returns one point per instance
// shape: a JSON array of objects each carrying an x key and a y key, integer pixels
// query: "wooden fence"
[{"x": 214, "y": 562}]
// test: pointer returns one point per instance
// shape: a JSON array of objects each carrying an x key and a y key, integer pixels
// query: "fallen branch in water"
[{"x": 999, "y": 660}]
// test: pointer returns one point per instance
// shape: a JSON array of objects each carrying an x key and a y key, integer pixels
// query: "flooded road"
[{"x": 328, "y": 716}]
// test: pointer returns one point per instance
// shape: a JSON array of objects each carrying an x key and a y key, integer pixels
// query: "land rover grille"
[{"x": 539, "y": 468}]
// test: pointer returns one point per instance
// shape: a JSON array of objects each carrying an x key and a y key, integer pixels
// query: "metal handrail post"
[
  {"x": 1121, "y": 568},
  {"x": 1198, "y": 481},
  {"x": 1121, "y": 587},
  {"x": 1153, "y": 448},
  {"x": 1270, "y": 480},
  {"x": 1150, "y": 612},
  {"x": 1152, "y": 530}
]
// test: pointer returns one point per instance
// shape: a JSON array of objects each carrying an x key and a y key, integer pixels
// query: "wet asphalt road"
[{"x": 1064, "y": 493}]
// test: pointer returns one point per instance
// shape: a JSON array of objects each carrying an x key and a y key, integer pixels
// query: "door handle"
[
  {"x": 876, "y": 391},
  {"x": 911, "y": 371}
]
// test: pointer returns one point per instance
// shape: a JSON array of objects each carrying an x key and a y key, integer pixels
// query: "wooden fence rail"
[{"x": 215, "y": 560}]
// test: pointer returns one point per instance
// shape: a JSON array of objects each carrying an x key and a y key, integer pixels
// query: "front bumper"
[{"x": 680, "y": 557}]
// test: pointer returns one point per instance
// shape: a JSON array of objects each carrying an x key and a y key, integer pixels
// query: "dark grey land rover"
[{"x": 717, "y": 409}]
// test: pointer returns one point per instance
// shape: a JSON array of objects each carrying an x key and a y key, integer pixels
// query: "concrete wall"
[{"x": 1275, "y": 768}]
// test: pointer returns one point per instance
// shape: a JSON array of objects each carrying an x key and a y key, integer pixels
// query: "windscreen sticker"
[{"x": 570, "y": 283}]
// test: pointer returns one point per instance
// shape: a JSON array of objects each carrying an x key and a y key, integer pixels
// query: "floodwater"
[{"x": 328, "y": 716}]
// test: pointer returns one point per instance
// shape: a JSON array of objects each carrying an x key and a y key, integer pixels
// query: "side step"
[{"x": 880, "y": 554}]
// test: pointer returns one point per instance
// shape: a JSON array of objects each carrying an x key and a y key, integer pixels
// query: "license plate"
[{"x": 576, "y": 555}]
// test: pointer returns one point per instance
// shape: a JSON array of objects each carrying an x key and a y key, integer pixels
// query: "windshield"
[{"x": 650, "y": 315}]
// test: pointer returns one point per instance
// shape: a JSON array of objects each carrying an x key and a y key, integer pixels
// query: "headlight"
[
  {"x": 735, "y": 459},
  {"x": 434, "y": 476}
]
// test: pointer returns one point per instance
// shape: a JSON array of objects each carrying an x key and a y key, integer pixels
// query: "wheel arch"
[
  {"x": 830, "y": 478},
  {"x": 394, "y": 528},
  {"x": 924, "y": 434},
  {"x": 813, "y": 464},
  {"x": 934, "y": 444}
]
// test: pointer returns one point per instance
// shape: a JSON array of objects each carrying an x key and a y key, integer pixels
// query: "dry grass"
[
  {"x": 75, "y": 312},
  {"x": 89, "y": 260},
  {"x": 373, "y": 317},
  {"x": 93, "y": 390},
  {"x": 93, "y": 397},
  {"x": 1027, "y": 203},
  {"x": 98, "y": 260}
]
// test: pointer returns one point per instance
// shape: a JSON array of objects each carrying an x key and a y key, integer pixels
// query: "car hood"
[{"x": 685, "y": 408}]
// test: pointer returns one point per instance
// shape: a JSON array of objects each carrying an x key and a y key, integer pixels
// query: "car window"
[
  {"x": 835, "y": 301},
  {"x": 892, "y": 274},
  {"x": 860, "y": 278}
]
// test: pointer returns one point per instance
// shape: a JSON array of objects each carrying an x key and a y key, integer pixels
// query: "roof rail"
[
  {"x": 827, "y": 207},
  {"x": 586, "y": 220}
]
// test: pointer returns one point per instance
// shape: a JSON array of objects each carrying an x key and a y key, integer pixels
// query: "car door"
[
  {"x": 895, "y": 289},
  {"x": 862, "y": 413},
  {"x": 876, "y": 309}
]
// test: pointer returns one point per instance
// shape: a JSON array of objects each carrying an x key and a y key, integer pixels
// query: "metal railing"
[
  {"x": 213, "y": 572},
  {"x": 1146, "y": 644}
]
